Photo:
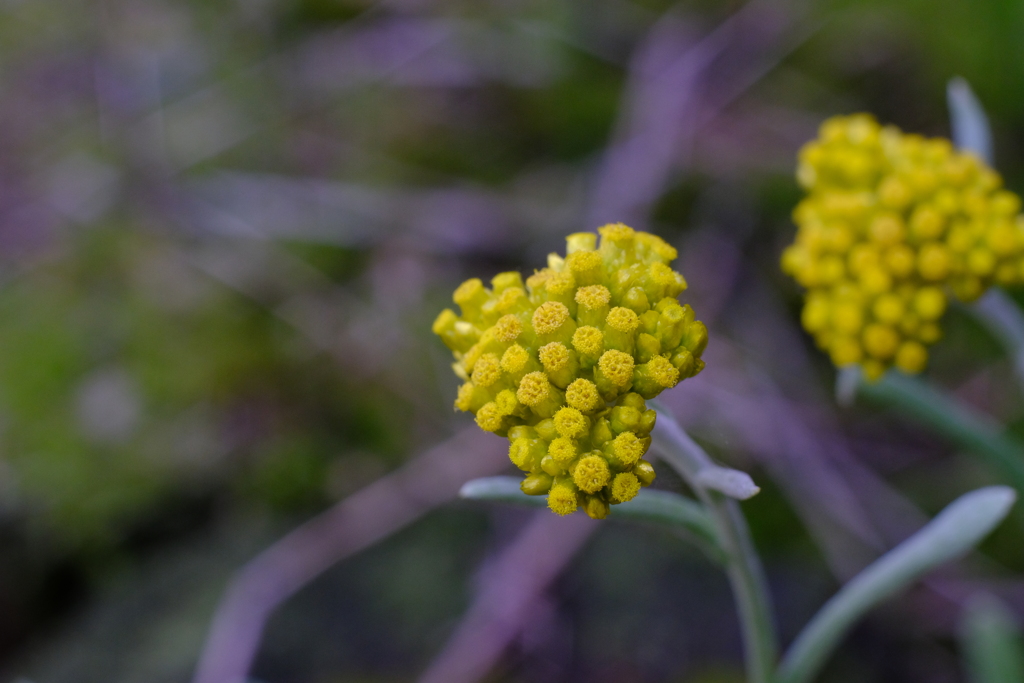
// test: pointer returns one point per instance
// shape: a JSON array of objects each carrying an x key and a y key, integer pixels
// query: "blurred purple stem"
[
  {"x": 359, "y": 521},
  {"x": 670, "y": 97},
  {"x": 509, "y": 592}
]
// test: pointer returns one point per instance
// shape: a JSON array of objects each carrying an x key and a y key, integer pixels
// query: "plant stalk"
[{"x": 743, "y": 566}]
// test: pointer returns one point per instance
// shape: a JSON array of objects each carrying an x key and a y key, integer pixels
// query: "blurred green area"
[
  {"x": 226, "y": 226},
  {"x": 127, "y": 381}
]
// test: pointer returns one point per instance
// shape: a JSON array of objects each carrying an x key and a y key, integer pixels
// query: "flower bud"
[
  {"x": 890, "y": 226},
  {"x": 563, "y": 362},
  {"x": 536, "y": 484}
]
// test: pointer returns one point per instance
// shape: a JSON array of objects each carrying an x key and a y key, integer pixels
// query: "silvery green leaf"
[
  {"x": 953, "y": 532},
  {"x": 733, "y": 483},
  {"x": 674, "y": 445},
  {"x": 971, "y": 130},
  {"x": 661, "y": 507}
]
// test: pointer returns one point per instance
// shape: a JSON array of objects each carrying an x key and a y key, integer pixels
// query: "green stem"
[
  {"x": 743, "y": 567},
  {"x": 970, "y": 430}
]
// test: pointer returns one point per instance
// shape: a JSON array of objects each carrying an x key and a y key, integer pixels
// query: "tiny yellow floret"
[
  {"x": 583, "y": 262},
  {"x": 514, "y": 359},
  {"x": 464, "y": 399},
  {"x": 625, "y": 486},
  {"x": 583, "y": 395},
  {"x": 588, "y": 340},
  {"x": 509, "y": 299},
  {"x": 519, "y": 451},
  {"x": 617, "y": 232},
  {"x": 881, "y": 341},
  {"x": 508, "y": 328},
  {"x": 536, "y": 281},
  {"x": 489, "y": 417},
  {"x": 911, "y": 357},
  {"x": 593, "y": 297},
  {"x": 580, "y": 241},
  {"x": 506, "y": 401},
  {"x": 899, "y": 260},
  {"x": 563, "y": 450},
  {"x": 487, "y": 370},
  {"x": 571, "y": 423},
  {"x": 628, "y": 448},
  {"x": 562, "y": 500},
  {"x": 847, "y": 317},
  {"x": 930, "y": 303},
  {"x": 933, "y": 261},
  {"x": 663, "y": 372},
  {"x": 845, "y": 351},
  {"x": 554, "y": 356},
  {"x": 506, "y": 280},
  {"x": 664, "y": 276},
  {"x": 622, "y": 319},
  {"x": 549, "y": 317},
  {"x": 591, "y": 473},
  {"x": 533, "y": 389},
  {"x": 467, "y": 291},
  {"x": 560, "y": 283},
  {"x": 444, "y": 321},
  {"x": 618, "y": 367},
  {"x": 889, "y": 308}
]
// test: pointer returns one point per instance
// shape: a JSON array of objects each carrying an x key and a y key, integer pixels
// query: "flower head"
[
  {"x": 563, "y": 363},
  {"x": 892, "y": 225}
]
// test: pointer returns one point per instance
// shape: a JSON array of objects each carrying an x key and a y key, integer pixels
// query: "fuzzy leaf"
[
  {"x": 953, "y": 532},
  {"x": 971, "y": 131},
  {"x": 661, "y": 507}
]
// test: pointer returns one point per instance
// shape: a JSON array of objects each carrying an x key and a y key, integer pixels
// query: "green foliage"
[
  {"x": 574, "y": 116},
  {"x": 991, "y": 640},
  {"x": 128, "y": 374}
]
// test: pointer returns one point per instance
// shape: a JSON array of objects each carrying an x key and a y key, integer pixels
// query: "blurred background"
[{"x": 225, "y": 229}]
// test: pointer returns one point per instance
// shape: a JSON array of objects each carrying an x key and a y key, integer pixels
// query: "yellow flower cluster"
[
  {"x": 562, "y": 363},
  {"x": 893, "y": 223}
]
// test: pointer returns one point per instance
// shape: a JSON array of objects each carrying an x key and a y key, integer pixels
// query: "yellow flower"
[
  {"x": 563, "y": 363},
  {"x": 891, "y": 225}
]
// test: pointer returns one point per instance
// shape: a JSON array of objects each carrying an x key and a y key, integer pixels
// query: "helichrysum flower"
[
  {"x": 891, "y": 226},
  {"x": 562, "y": 364}
]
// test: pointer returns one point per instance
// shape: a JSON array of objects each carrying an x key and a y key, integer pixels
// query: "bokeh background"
[{"x": 225, "y": 229}]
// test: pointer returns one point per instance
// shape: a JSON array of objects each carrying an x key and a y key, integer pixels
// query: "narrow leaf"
[
  {"x": 661, "y": 507},
  {"x": 969, "y": 429},
  {"x": 971, "y": 131},
  {"x": 991, "y": 642},
  {"x": 500, "y": 489},
  {"x": 685, "y": 456},
  {"x": 952, "y": 533},
  {"x": 733, "y": 483}
]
